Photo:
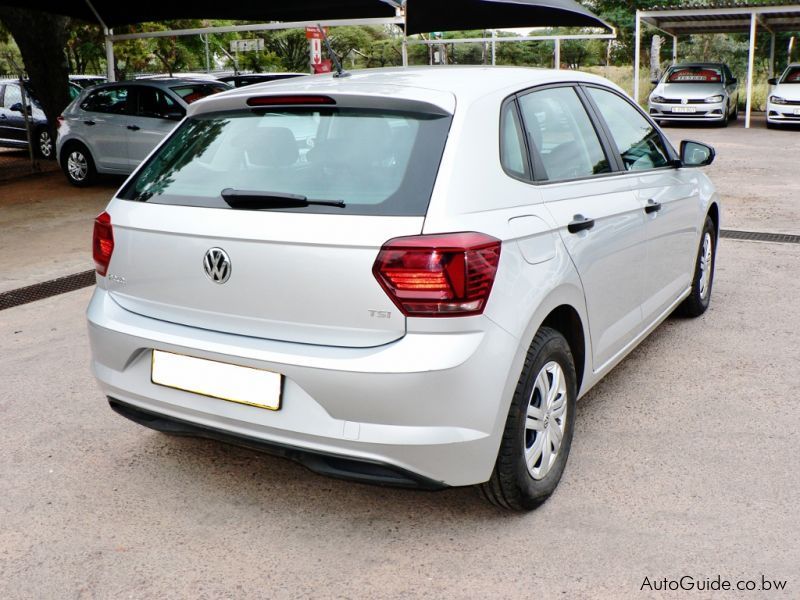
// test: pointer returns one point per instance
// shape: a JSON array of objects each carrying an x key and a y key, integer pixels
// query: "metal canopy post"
[
  {"x": 557, "y": 54},
  {"x": 674, "y": 49},
  {"x": 772, "y": 55},
  {"x": 750, "y": 61},
  {"x": 636, "y": 34},
  {"x": 110, "y": 73}
]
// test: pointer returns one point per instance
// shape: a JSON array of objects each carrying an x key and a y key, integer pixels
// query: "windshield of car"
[
  {"x": 792, "y": 75},
  {"x": 194, "y": 92},
  {"x": 694, "y": 75},
  {"x": 376, "y": 162}
]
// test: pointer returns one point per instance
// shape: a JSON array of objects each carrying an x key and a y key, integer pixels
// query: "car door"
[
  {"x": 668, "y": 198},
  {"x": 12, "y": 122},
  {"x": 600, "y": 221},
  {"x": 155, "y": 116},
  {"x": 102, "y": 123}
]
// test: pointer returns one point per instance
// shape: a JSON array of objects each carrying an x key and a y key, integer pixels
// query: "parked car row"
[{"x": 111, "y": 127}]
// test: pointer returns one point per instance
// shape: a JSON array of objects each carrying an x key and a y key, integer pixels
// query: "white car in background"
[
  {"x": 110, "y": 128},
  {"x": 699, "y": 92},
  {"x": 783, "y": 104},
  {"x": 416, "y": 298}
]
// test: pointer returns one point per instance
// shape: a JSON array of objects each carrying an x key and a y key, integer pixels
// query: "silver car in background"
[
  {"x": 705, "y": 92},
  {"x": 110, "y": 128},
  {"x": 783, "y": 103},
  {"x": 404, "y": 276}
]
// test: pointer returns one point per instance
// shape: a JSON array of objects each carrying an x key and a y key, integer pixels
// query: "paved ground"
[{"x": 684, "y": 460}]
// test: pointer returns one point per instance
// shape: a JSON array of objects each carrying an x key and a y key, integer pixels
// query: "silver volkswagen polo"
[
  {"x": 399, "y": 276},
  {"x": 706, "y": 92}
]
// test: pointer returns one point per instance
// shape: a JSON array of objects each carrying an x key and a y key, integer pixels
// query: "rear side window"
[
  {"x": 154, "y": 103},
  {"x": 12, "y": 96},
  {"x": 512, "y": 145},
  {"x": 113, "y": 100},
  {"x": 560, "y": 130},
  {"x": 639, "y": 144},
  {"x": 193, "y": 93},
  {"x": 377, "y": 163}
]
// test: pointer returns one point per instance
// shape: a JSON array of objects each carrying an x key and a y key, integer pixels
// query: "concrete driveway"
[{"x": 684, "y": 464}]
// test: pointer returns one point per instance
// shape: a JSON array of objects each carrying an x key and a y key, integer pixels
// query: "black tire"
[
  {"x": 512, "y": 484},
  {"x": 698, "y": 300},
  {"x": 735, "y": 115},
  {"x": 75, "y": 151},
  {"x": 43, "y": 143}
]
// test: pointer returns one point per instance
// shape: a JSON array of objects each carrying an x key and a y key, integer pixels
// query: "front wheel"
[
  {"x": 538, "y": 431},
  {"x": 699, "y": 298}
]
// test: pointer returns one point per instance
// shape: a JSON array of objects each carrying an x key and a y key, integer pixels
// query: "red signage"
[{"x": 314, "y": 33}]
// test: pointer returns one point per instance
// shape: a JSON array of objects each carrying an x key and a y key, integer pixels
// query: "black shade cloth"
[
  {"x": 114, "y": 12},
  {"x": 423, "y": 16}
]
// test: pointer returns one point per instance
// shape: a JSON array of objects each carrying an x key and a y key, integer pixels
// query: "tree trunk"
[
  {"x": 41, "y": 38},
  {"x": 655, "y": 56}
]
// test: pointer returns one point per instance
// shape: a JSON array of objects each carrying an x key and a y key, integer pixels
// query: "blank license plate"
[
  {"x": 245, "y": 385},
  {"x": 683, "y": 109}
]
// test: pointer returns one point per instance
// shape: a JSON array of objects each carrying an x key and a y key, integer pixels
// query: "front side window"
[
  {"x": 113, "y": 100},
  {"x": 694, "y": 75},
  {"x": 155, "y": 104},
  {"x": 375, "y": 162},
  {"x": 560, "y": 131},
  {"x": 639, "y": 144}
]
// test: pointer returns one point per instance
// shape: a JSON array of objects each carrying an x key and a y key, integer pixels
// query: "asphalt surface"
[{"x": 684, "y": 463}]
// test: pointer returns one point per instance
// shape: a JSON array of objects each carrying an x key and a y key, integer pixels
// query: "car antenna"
[{"x": 340, "y": 72}]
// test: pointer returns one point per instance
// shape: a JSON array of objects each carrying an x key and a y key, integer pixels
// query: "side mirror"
[
  {"x": 16, "y": 107},
  {"x": 696, "y": 154},
  {"x": 771, "y": 81},
  {"x": 733, "y": 81},
  {"x": 654, "y": 81}
]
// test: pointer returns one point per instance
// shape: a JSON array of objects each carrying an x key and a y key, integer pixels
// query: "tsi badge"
[
  {"x": 217, "y": 265},
  {"x": 380, "y": 314}
]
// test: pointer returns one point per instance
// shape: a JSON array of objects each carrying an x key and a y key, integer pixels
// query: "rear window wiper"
[{"x": 255, "y": 200}]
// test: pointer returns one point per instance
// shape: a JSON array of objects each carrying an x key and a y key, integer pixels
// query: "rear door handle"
[
  {"x": 580, "y": 223},
  {"x": 134, "y": 127},
  {"x": 89, "y": 123},
  {"x": 652, "y": 206}
]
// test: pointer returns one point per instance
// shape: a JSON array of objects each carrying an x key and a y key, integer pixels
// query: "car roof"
[
  {"x": 164, "y": 82},
  {"x": 459, "y": 83}
]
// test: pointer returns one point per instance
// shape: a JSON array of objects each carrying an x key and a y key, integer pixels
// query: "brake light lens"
[
  {"x": 289, "y": 100},
  {"x": 59, "y": 121},
  {"x": 442, "y": 275},
  {"x": 102, "y": 243}
]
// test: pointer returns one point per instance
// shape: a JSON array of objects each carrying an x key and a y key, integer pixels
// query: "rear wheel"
[
  {"x": 78, "y": 165},
  {"x": 538, "y": 431},
  {"x": 698, "y": 300}
]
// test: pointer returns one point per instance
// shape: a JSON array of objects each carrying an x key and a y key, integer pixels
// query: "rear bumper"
[{"x": 428, "y": 406}]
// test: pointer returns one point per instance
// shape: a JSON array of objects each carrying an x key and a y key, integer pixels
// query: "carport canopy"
[{"x": 724, "y": 17}]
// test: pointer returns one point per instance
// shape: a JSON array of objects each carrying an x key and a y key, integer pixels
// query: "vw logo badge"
[
  {"x": 217, "y": 265},
  {"x": 685, "y": 101}
]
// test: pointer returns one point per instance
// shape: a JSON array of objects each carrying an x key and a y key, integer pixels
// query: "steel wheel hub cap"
[
  {"x": 546, "y": 420},
  {"x": 45, "y": 144},
  {"x": 77, "y": 166}
]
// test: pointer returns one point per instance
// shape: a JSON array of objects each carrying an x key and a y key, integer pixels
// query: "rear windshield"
[
  {"x": 694, "y": 75},
  {"x": 193, "y": 93},
  {"x": 792, "y": 75},
  {"x": 377, "y": 163}
]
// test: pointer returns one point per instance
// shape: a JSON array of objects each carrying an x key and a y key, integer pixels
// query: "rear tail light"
[
  {"x": 443, "y": 275},
  {"x": 59, "y": 121},
  {"x": 102, "y": 243}
]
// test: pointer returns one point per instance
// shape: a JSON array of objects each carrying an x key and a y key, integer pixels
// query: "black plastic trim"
[{"x": 331, "y": 465}]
